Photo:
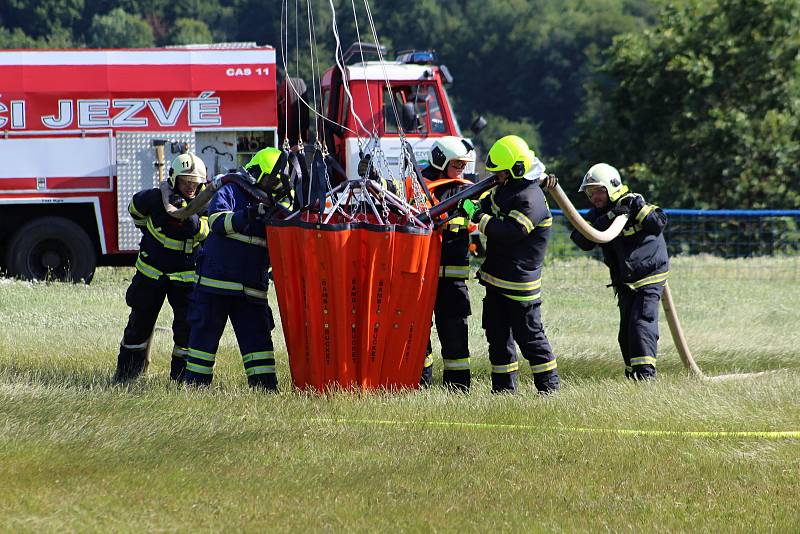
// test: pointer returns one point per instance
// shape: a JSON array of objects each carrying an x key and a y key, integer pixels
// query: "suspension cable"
[
  {"x": 364, "y": 63},
  {"x": 385, "y": 73},
  {"x": 294, "y": 89},
  {"x": 311, "y": 53},
  {"x": 345, "y": 80}
]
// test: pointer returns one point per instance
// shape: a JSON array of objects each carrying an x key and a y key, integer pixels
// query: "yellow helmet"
[
  {"x": 604, "y": 175},
  {"x": 189, "y": 166},
  {"x": 266, "y": 161},
  {"x": 510, "y": 153}
]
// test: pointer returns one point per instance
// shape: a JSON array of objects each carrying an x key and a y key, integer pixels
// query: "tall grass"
[{"x": 78, "y": 453}]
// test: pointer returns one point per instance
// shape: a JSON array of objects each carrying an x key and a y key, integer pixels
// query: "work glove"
[
  {"x": 470, "y": 209},
  {"x": 636, "y": 203},
  {"x": 216, "y": 182},
  {"x": 176, "y": 200},
  {"x": 362, "y": 168},
  {"x": 256, "y": 211},
  {"x": 621, "y": 208},
  {"x": 548, "y": 181}
]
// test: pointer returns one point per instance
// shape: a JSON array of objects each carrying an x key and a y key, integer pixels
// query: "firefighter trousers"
[
  {"x": 638, "y": 329},
  {"x": 450, "y": 316},
  {"x": 252, "y": 323},
  {"x": 145, "y": 296},
  {"x": 506, "y": 321}
]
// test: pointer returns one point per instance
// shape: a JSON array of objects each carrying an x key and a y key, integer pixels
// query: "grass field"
[{"x": 79, "y": 454}]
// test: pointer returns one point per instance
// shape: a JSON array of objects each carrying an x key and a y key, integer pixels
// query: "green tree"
[
  {"x": 41, "y": 18},
  {"x": 120, "y": 29},
  {"x": 498, "y": 126},
  {"x": 704, "y": 109},
  {"x": 190, "y": 31}
]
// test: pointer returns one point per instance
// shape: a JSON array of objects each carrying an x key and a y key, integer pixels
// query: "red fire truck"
[{"x": 80, "y": 131}]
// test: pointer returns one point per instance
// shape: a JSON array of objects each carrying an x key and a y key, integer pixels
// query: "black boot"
[
  {"x": 426, "y": 380},
  {"x": 197, "y": 380},
  {"x": 504, "y": 382},
  {"x": 456, "y": 379},
  {"x": 177, "y": 367},
  {"x": 130, "y": 364},
  {"x": 641, "y": 373},
  {"x": 547, "y": 383},
  {"x": 266, "y": 382}
]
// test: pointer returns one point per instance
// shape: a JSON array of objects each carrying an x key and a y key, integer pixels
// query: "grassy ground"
[{"x": 77, "y": 453}]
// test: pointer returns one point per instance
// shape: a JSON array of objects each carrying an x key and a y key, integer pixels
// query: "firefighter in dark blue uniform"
[
  {"x": 165, "y": 268},
  {"x": 637, "y": 260},
  {"x": 233, "y": 277},
  {"x": 445, "y": 177},
  {"x": 516, "y": 221}
]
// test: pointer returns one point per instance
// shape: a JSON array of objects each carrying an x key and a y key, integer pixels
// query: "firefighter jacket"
[
  {"x": 638, "y": 256},
  {"x": 516, "y": 221},
  {"x": 455, "y": 234},
  {"x": 235, "y": 259},
  {"x": 169, "y": 246}
]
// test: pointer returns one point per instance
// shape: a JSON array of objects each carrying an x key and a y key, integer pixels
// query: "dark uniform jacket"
[
  {"x": 455, "y": 235},
  {"x": 638, "y": 256},
  {"x": 516, "y": 221},
  {"x": 169, "y": 247},
  {"x": 235, "y": 259}
]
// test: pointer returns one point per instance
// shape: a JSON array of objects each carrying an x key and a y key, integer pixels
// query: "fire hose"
[
  {"x": 200, "y": 201},
  {"x": 678, "y": 337}
]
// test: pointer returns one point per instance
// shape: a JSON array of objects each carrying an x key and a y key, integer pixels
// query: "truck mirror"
[
  {"x": 409, "y": 116},
  {"x": 478, "y": 125},
  {"x": 448, "y": 78}
]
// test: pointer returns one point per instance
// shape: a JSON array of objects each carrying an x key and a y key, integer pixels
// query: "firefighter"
[
  {"x": 165, "y": 268},
  {"x": 637, "y": 260},
  {"x": 445, "y": 177},
  {"x": 233, "y": 277},
  {"x": 516, "y": 221}
]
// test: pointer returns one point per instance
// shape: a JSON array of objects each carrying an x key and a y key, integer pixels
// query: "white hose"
[{"x": 197, "y": 204}]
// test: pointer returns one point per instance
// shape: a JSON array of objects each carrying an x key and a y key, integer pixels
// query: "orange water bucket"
[{"x": 355, "y": 299}]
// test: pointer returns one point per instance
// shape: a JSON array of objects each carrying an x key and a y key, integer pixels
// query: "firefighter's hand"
[
  {"x": 176, "y": 200},
  {"x": 548, "y": 181},
  {"x": 216, "y": 182},
  {"x": 622, "y": 208},
  {"x": 255, "y": 212},
  {"x": 635, "y": 204},
  {"x": 470, "y": 209}
]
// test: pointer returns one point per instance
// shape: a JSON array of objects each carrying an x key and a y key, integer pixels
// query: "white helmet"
[
  {"x": 604, "y": 175},
  {"x": 190, "y": 167},
  {"x": 448, "y": 148}
]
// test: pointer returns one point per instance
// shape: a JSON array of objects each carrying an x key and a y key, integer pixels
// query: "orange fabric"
[
  {"x": 355, "y": 303},
  {"x": 432, "y": 186}
]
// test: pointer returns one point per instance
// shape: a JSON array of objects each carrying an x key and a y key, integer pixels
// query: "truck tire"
[{"x": 51, "y": 248}]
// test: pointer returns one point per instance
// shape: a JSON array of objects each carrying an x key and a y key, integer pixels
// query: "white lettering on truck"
[
  {"x": 203, "y": 110},
  {"x": 64, "y": 117}
]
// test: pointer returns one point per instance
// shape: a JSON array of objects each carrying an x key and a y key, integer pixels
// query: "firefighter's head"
[
  {"x": 510, "y": 157},
  {"x": 451, "y": 155},
  {"x": 602, "y": 184},
  {"x": 187, "y": 174},
  {"x": 265, "y": 164}
]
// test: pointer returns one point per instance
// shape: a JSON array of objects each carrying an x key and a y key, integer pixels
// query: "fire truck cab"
[{"x": 413, "y": 101}]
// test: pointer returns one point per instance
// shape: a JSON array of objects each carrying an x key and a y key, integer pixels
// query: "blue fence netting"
[{"x": 764, "y": 242}]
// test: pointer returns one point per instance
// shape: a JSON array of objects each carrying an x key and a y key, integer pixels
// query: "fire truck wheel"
[{"x": 51, "y": 248}]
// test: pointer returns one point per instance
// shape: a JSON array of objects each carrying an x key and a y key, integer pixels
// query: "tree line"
[{"x": 695, "y": 101}]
